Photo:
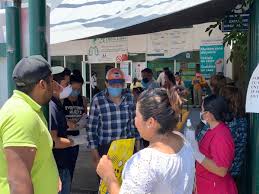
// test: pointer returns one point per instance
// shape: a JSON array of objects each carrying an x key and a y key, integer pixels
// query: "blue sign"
[
  {"x": 235, "y": 21},
  {"x": 211, "y": 60}
]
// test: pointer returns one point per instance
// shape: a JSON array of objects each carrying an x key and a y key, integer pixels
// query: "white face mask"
[
  {"x": 202, "y": 120},
  {"x": 66, "y": 92}
]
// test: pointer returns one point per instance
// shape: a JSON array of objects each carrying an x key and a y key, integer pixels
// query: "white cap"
[{"x": 189, "y": 124}]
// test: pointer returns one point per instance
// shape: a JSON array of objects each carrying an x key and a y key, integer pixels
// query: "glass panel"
[
  {"x": 101, "y": 70},
  {"x": 87, "y": 86},
  {"x": 86, "y": 76},
  {"x": 74, "y": 62},
  {"x": 57, "y": 61}
]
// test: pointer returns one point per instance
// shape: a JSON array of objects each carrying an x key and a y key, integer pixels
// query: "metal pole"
[
  {"x": 13, "y": 43},
  {"x": 37, "y": 31},
  {"x": 37, "y": 28},
  {"x": 253, "y": 141}
]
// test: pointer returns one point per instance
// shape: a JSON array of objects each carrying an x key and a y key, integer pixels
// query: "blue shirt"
[
  {"x": 108, "y": 121},
  {"x": 238, "y": 128}
]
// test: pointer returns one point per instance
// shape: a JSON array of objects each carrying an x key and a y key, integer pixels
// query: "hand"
[
  {"x": 105, "y": 169},
  {"x": 78, "y": 140},
  {"x": 196, "y": 152},
  {"x": 71, "y": 124},
  {"x": 95, "y": 157},
  {"x": 59, "y": 184}
]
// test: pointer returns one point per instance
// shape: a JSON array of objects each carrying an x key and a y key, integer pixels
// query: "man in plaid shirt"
[{"x": 111, "y": 115}]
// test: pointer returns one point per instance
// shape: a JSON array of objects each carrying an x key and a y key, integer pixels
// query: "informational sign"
[
  {"x": 211, "y": 59},
  {"x": 252, "y": 95},
  {"x": 107, "y": 50},
  {"x": 119, "y": 152},
  {"x": 137, "y": 68},
  {"x": 170, "y": 43},
  {"x": 126, "y": 66},
  {"x": 238, "y": 22}
]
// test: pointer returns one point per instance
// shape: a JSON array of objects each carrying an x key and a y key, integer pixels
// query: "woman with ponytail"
[
  {"x": 215, "y": 152},
  {"x": 167, "y": 166}
]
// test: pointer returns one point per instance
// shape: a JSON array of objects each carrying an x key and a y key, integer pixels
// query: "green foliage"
[{"x": 236, "y": 38}]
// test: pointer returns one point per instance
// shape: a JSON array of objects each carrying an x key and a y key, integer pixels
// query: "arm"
[
  {"x": 211, "y": 166},
  {"x": 60, "y": 142},
  {"x": 106, "y": 172},
  {"x": 222, "y": 152},
  {"x": 92, "y": 132},
  {"x": 21, "y": 158},
  {"x": 85, "y": 104}
]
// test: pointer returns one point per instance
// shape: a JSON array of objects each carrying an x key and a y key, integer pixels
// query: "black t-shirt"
[
  {"x": 64, "y": 157},
  {"x": 74, "y": 111}
]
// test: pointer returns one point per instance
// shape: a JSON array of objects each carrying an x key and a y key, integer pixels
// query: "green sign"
[{"x": 211, "y": 59}]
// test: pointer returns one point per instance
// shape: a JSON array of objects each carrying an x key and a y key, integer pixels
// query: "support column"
[
  {"x": 253, "y": 159},
  {"x": 37, "y": 30},
  {"x": 13, "y": 43}
]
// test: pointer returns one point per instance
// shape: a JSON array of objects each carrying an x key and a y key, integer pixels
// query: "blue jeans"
[{"x": 66, "y": 180}]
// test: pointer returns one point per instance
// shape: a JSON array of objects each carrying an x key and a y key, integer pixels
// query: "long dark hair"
[
  {"x": 217, "y": 106},
  {"x": 217, "y": 82},
  {"x": 157, "y": 104},
  {"x": 170, "y": 77},
  {"x": 234, "y": 98}
]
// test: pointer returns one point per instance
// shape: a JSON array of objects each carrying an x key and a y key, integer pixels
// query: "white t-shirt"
[
  {"x": 152, "y": 172},
  {"x": 161, "y": 78}
]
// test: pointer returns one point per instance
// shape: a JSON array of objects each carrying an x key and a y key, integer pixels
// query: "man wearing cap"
[
  {"x": 111, "y": 115},
  {"x": 64, "y": 149},
  {"x": 148, "y": 82},
  {"x": 27, "y": 165}
]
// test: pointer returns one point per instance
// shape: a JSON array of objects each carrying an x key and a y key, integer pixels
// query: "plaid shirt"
[
  {"x": 108, "y": 121},
  {"x": 238, "y": 128}
]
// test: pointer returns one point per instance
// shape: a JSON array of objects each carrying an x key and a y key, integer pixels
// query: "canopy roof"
[{"x": 79, "y": 19}]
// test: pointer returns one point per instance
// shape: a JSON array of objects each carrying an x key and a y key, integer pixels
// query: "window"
[
  {"x": 74, "y": 62},
  {"x": 57, "y": 61}
]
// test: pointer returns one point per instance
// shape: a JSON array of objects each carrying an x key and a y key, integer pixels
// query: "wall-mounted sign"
[
  {"x": 107, "y": 50},
  {"x": 239, "y": 22},
  {"x": 252, "y": 95},
  {"x": 211, "y": 59}
]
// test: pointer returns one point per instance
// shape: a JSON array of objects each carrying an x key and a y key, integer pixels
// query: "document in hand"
[{"x": 119, "y": 152}]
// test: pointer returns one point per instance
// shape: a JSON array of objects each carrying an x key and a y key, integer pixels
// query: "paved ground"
[{"x": 85, "y": 179}]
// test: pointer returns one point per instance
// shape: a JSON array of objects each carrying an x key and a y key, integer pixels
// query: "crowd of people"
[{"x": 39, "y": 159}]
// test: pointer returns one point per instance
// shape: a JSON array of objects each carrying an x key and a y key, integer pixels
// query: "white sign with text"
[{"x": 252, "y": 96}]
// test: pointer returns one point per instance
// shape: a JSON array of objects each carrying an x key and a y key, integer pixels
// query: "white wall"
[
  {"x": 137, "y": 44},
  {"x": 78, "y": 47}
]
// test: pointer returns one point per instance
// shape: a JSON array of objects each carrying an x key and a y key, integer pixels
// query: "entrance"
[{"x": 100, "y": 69}]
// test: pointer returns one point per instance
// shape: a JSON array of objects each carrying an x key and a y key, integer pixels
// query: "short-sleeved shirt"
[
  {"x": 22, "y": 124},
  {"x": 64, "y": 156},
  {"x": 217, "y": 145},
  {"x": 151, "y": 171}
]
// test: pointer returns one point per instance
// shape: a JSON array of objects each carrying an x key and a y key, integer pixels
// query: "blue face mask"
[
  {"x": 144, "y": 84},
  {"x": 115, "y": 92},
  {"x": 75, "y": 93}
]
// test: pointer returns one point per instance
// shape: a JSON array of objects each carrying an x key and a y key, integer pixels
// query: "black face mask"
[{"x": 145, "y": 80}]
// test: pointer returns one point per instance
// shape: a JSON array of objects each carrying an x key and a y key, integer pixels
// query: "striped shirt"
[{"x": 108, "y": 121}]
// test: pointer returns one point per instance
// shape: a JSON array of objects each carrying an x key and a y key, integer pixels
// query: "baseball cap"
[
  {"x": 30, "y": 70},
  {"x": 115, "y": 75}
]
